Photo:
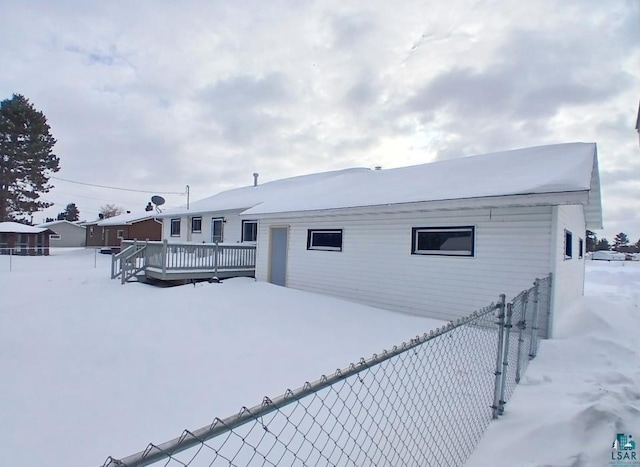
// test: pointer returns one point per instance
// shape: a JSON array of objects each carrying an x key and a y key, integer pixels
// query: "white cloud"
[{"x": 158, "y": 95}]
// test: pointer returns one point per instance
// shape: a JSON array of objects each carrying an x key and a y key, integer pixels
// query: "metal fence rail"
[{"x": 425, "y": 402}]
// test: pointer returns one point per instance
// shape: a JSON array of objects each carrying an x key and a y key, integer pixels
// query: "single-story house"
[
  {"x": 21, "y": 239},
  {"x": 128, "y": 226},
  {"x": 67, "y": 234},
  {"x": 440, "y": 239}
]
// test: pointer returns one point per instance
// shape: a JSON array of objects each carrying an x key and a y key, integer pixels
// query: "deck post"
[
  {"x": 215, "y": 262},
  {"x": 164, "y": 259}
]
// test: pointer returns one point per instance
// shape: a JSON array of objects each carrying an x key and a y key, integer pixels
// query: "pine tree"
[
  {"x": 26, "y": 158},
  {"x": 603, "y": 244},
  {"x": 70, "y": 213},
  {"x": 621, "y": 240}
]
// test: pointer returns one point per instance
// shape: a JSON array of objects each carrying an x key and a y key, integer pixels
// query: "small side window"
[
  {"x": 175, "y": 227},
  {"x": 580, "y": 248},
  {"x": 196, "y": 224},
  {"x": 120, "y": 234},
  {"x": 568, "y": 244},
  {"x": 249, "y": 231},
  {"x": 325, "y": 239},
  {"x": 54, "y": 237}
]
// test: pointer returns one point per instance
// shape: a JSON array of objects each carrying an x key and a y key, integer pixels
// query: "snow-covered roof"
[
  {"x": 127, "y": 218},
  {"x": 15, "y": 227},
  {"x": 559, "y": 168},
  {"x": 54, "y": 223},
  {"x": 249, "y": 196}
]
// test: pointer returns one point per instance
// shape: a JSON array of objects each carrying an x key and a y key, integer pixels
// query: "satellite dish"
[{"x": 157, "y": 200}]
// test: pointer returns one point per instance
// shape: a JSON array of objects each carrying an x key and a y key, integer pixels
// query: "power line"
[{"x": 119, "y": 188}]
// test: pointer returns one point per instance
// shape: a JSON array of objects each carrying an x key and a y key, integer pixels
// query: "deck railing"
[{"x": 176, "y": 257}]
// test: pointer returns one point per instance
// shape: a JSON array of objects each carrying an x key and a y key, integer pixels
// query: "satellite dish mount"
[{"x": 158, "y": 201}]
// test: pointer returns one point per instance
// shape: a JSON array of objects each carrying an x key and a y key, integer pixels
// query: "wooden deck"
[{"x": 163, "y": 261}]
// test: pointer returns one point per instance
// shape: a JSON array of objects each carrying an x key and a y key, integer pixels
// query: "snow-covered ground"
[
  {"x": 91, "y": 368},
  {"x": 584, "y": 386}
]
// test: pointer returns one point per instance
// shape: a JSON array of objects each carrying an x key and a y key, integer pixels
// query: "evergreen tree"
[
  {"x": 603, "y": 244},
  {"x": 70, "y": 213},
  {"x": 26, "y": 158},
  {"x": 592, "y": 240},
  {"x": 621, "y": 240}
]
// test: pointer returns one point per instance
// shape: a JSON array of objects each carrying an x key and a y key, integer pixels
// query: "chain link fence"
[{"x": 425, "y": 402}]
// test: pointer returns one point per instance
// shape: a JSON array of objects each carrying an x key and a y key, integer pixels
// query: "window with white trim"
[
  {"x": 568, "y": 244},
  {"x": 324, "y": 239},
  {"x": 120, "y": 234},
  {"x": 443, "y": 241},
  {"x": 196, "y": 224},
  {"x": 175, "y": 227},
  {"x": 90, "y": 231},
  {"x": 249, "y": 231},
  {"x": 217, "y": 230}
]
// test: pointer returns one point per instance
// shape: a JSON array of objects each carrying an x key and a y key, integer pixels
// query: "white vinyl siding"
[
  {"x": 232, "y": 228},
  {"x": 377, "y": 268},
  {"x": 567, "y": 272},
  {"x": 70, "y": 235}
]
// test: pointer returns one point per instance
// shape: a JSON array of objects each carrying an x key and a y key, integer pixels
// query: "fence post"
[
  {"x": 522, "y": 325},
  {"x": 505, "y": 360},
  {"x": 499, "y": 356},
  {"x": 533, "y": 342}
]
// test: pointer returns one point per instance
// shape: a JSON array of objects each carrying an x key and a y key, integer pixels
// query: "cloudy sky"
[{"x": 157, "y": 95}]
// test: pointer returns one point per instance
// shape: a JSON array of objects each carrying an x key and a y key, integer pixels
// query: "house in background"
[
  {"x": 128, "y": 226},
  {"x": 439, "y": 239},
  {"x": 217, "y": 218},
  {"x": 25, "y": 240},
  {"x": 67, "y": 234}
]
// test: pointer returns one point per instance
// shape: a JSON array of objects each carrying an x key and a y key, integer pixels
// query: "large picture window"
[
  {"x": 175, "y": 227},
  {"x": 443, "y": 241},
  {"x": 249, "y": 231},
  {"x": 326, "y": 239}
]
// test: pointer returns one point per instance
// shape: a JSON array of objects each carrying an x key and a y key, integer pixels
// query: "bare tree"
[{"x": 110, "y": 210}]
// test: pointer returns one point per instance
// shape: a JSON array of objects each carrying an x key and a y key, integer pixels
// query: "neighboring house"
[
  {"x": 129, "y": 226},
  {"x": 67, "y": 234},
  {"x": 20, "y": 239},
  {"x": 440, "y": 239}
]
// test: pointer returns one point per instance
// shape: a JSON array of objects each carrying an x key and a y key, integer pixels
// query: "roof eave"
[{"x": 533, "y": 199}]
